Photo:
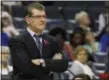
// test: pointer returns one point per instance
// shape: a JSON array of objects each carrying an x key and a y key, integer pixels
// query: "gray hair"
[{"x": 79, "y": 15}]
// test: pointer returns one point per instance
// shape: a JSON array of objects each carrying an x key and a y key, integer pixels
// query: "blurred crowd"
[{"x": 85, "y": 49}]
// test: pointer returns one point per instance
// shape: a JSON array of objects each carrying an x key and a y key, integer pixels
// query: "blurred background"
[{"x": 65, "y": 21}]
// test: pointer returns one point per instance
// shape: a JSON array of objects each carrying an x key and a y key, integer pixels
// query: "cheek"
[
  {"x": 35, "y": 23},
  {"x": 82, "y": 57},
  {"x": 79, "y": 57},
  {"x": 82, "y": 20},
  {"x": 88, "y": 20},
  {"x": 85, "y": 21},
  {"x": 85, "y": 57}
]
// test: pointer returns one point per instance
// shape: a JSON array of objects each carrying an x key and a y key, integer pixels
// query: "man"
[{"x": 35, "y": 55}]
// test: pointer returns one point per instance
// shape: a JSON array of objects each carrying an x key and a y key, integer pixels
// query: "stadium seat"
[{"x": 18, "y": 11}]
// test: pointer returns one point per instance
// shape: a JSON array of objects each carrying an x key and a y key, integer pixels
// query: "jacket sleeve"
[
  {"x": 21, "y": 60},
  {"x": 56, "y": 65}
]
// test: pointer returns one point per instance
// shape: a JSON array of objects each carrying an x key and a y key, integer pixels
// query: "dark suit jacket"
[{"x": 23, "y": 50}]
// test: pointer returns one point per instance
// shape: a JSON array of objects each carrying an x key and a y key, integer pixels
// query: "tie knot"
[{"x": 37, "y": 36}]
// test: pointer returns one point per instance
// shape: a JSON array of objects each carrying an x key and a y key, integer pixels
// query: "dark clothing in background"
[
  {"x": 4, "y": 39},
  {"x": 104, "y": 41}
]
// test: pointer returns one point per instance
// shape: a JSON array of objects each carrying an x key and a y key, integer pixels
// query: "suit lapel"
[
  {"x": 31, "y": 45},
  {"x": 46, "y": 47},
  {"x": 32, "y": 48}
]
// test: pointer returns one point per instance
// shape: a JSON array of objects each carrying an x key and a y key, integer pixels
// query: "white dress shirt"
[{"x": 32, "y": 34}]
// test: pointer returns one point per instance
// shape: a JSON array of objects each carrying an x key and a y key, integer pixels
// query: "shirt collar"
[
  {"x": 31, "y": 32},
  {"x": 79, "y": 62}
]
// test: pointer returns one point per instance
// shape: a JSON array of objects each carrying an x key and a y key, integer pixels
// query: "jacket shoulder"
[
  {"x": 18, "y": 37},
  {"x": 49, "y": 37}
]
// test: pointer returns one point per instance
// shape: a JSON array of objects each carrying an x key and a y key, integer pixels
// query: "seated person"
[
  {"x": 83, "y": 21},
  {"x": 4, "y": 54},
  {"x": 91, "y": 44},
  {"x": 79, "y": 65},
  {"x": 76, "y": 39}
]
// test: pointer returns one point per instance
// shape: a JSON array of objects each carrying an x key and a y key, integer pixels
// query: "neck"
[{"x": 38, "y": 32}]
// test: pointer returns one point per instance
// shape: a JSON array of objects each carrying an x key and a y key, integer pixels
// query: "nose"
[{"x": 42, "y": 18}]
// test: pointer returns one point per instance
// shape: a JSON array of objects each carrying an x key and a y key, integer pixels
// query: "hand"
[
  {"x": 90, "y": 37},
  {"x": 36, "y": 62},
  {"x": 57, "y": 56}
]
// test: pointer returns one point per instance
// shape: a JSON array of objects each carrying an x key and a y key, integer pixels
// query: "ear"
[{"x": 28, "y": 20}]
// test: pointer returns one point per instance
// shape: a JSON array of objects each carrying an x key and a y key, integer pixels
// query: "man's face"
[{"x": 37, "y": 21}]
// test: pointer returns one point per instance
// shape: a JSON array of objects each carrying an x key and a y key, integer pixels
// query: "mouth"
[{"x": 42, "y": 24}]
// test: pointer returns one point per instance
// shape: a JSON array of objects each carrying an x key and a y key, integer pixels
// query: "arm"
[
  {"x": 21, "y": 59},
  {"x": 57, "y": 65}
]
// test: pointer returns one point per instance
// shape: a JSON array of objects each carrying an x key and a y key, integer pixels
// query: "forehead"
[{"x": 38, "y": 12}]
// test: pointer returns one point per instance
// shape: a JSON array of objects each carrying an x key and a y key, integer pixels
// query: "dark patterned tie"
[{"x": 38, "y": 43}]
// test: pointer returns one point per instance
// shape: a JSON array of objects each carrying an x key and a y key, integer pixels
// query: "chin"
[{"x": 40, "y": 29}]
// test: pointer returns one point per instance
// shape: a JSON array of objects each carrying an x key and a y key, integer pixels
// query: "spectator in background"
[
  {"x": 104, "y": 40},
  {"x": 83, "y": 21},
  {"x": 60, "y": 35},
  {"x": 6, "y": 59},
  {"x": 103, "y": 21},
  {"x": 91, "y": 44},
  {"x": 79, "y": 65},
  {"x": 77, "y": 39},
  {"x": 8, "y": 27},
  {"x": 5, "y": 13},
  {"x": 7, "y": 24}
]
